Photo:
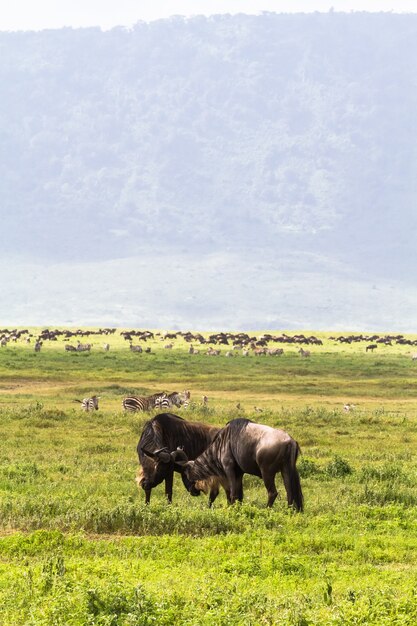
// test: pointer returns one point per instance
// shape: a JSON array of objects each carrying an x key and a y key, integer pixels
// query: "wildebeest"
[
  {"x": 371, "y": 347},
  {"x": 244, "y": 447},
  {"x": 165, "y": 433}
]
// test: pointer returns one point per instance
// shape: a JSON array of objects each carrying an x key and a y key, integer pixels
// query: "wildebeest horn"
[
  {"x": 163, "y": 455},
  {"x": 148, "y": 453},
  {"x": 159, "y": 455}
]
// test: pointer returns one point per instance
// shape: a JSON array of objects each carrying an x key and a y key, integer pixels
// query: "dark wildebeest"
[
  {"x": 371, "y": 347},
  {"x": 162, "y": 434},
  {"x": 244, "y": 447}
]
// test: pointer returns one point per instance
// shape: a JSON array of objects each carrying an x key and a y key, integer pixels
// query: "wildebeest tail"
[{"x": 295, "y": 485}]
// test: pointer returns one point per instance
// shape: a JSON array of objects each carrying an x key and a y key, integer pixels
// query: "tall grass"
[{"x": 79, "y": 546}]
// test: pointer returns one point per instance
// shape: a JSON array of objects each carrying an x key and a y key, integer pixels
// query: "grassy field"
[{"x": 78, "y": 546}]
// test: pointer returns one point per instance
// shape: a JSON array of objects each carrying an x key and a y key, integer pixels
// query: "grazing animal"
[
  {"x": 414, "y": 357},
  {"x": 133, "y": 348},
  {"x": 141, "y": 403},
  {"x": 38, "y": 346},
  {"x": 89, "y": 404},
  {"x": 106, "y": 347},
  {"x": 173, "y": 399},
  {"x": 161, "y": 434},
  {"x": 349, "y": 407},
  {"x": 244, "y": 447},
  {"x": 305, "y": 353},
  {"x": 84, "y": 347},
  {"x": 371, "y": 347},
  {"x": 70, "y": 348}
]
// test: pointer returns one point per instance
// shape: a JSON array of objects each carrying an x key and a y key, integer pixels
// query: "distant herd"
[{"x": 246, "y": 343}]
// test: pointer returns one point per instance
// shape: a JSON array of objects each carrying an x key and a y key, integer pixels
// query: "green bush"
[{"x": 338, "y": 468}]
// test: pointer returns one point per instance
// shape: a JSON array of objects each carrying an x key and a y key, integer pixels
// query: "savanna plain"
[{"x": 78, "y": 545}]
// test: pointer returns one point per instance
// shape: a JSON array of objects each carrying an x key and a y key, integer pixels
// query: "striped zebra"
[
  {"x": 141, "y": 403},
  {"x": 89, "y": 404},
  {"x": 167, "y": 401},
  {"x": 84, "y": 347}
]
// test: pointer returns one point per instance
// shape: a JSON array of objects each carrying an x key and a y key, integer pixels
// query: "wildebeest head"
[
  {"x": 165, "y": 462},
  {"x": 183, "y": 465}
]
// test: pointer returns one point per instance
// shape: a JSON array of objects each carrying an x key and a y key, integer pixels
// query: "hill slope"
[{"x": 217, "y": 136}]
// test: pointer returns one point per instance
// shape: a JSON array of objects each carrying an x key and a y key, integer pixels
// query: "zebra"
[
  {"x": 106, "y": 347},
  {"x": 173, "y": 399},
  {"x": 133, "y": 348},
  {"x": 69, "y": 348},
  {"x": 305, "y": 353},
  {"x": 89, "y": 404},
  {"x": 84, "y": 347},
  {"x": 38, "y": 346},
  {"x": 141, "y": 403}
]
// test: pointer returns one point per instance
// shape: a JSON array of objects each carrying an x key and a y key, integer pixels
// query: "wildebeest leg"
[
  {"x": 291, "y": 479},
  {"x": 169, "y": 480},
  {"x": 269, "y": 482},
  {"x": 236, "y": 488},
  {"x": 148, "y": 496},
  {"x": 286, "y": 476},
  {"x": 214, "y": 492}
]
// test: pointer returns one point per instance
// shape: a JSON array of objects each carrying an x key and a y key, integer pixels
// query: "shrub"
[
  {"x": 307, "y": 468},
  {"x": 338, "y": 468}
]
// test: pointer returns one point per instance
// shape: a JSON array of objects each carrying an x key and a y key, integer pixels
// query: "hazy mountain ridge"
[
  {"x": 283, "y": 138},
  {"x": 240, "y": 126}
]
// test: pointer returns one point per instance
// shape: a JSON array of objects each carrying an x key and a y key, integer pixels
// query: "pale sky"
[{"x": 40, "y": 14}]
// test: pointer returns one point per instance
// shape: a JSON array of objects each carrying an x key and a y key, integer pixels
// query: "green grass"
[{"x": 78, "y": 545}]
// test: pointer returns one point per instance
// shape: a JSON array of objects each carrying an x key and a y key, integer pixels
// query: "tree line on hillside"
[{"x": 292, "y": 130}]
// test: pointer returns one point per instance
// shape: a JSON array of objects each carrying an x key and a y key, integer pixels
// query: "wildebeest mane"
[{"x": 236, "y": 425}]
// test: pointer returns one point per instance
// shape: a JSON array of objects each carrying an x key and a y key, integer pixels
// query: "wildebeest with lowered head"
[
  {"x": 165, "y": 433},
  {"x": 244, "y": 447}
]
